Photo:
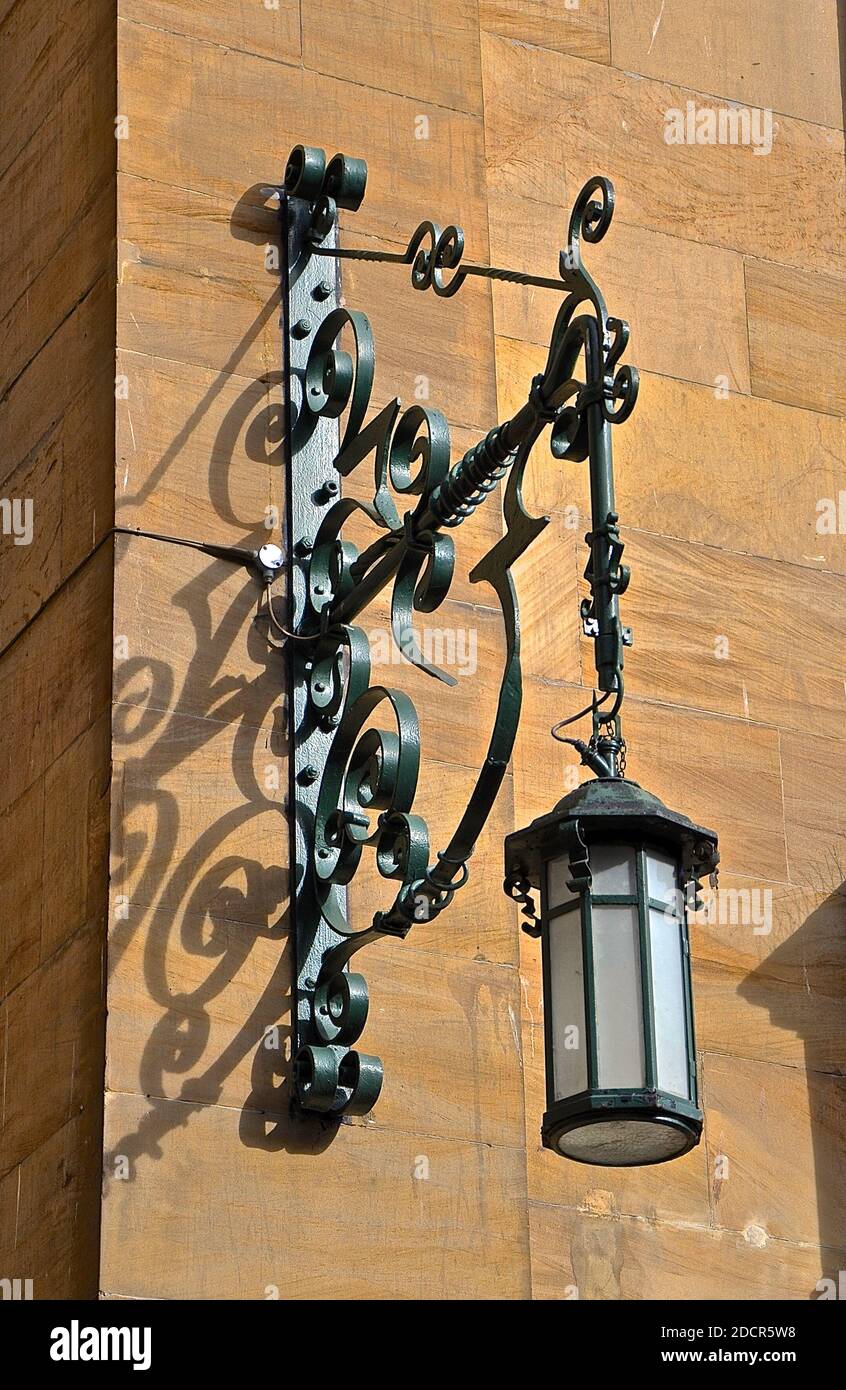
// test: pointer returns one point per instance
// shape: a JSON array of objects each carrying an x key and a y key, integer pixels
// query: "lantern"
[{"x": 615, "y": 870}]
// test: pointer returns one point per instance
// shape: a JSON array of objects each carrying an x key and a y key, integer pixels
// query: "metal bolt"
[
  {"x": 322, "y": 290},
  {"x": 320, "y": 686},
  {"x": 330, "y": 487},
  {"x": 301, "y": 328},
  {"x": 323, "y": 854},
  {"x": 309, "y": 982},
  {"x": 307, "y": 775},
  {"x": 303, "y": 546},
  {"x": 319, "y": 589}
]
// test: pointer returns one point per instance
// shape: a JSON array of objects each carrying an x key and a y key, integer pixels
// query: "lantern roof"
[{"x": 609, "y": 807}]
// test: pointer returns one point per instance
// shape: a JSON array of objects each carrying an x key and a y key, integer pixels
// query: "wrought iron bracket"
[{"x": 352, "y": 783}]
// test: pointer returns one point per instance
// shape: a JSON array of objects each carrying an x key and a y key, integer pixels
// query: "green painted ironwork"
[{"x": 363, "y": 797}]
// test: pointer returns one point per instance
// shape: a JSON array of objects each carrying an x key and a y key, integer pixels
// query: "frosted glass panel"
[
  {"x": 619, "y": 1022},
  {"x": 566, "y": 989},
  {"x": 613, "y": 869},
  {"x": 668, "y": 995},
  {"x": 662, "y": 880},
  {"x": 556, "y": 883}
]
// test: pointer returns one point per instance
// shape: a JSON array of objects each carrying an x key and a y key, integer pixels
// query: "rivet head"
[
  {"x": 322, "y": 290},
  {"x": 307, "y": 775},
  {"x": 330, "y": 487},
  {"x": 301, "y": 328}
]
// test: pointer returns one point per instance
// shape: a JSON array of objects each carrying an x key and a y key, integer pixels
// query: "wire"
[
  {"x": 588, "y": 709},
  {"x": 236, "y": 554},
  {"x": 592, "y": 709},
  {"x": 278, "y": 627},
  {"x": 155, "y": 536},
  {"x": 225, "y": 553},
  {"x": 615, "y": 709}
]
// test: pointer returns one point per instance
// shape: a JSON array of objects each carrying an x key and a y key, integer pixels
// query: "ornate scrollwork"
[
  {"x": 443, "y": 253},
  {"x": 369, "y": 781},
  {"x": 519, "y": 889},
  {"x": 602, "y": 340},
  {"x": 431, "y": 250},
  {"x": 337, "y": 1081},
  {"x": 333, "y": 379},
  {"x": 411, "y": 451}
]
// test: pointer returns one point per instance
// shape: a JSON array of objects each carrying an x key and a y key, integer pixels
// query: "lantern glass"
[
  {"x": 617, "y": 996},
  {"x": 613, "y": 869},
  {"x": 662, "y": 880},
  {"x": 559, "y": 891},
  {"x": 665, "y": 941},
  {"x": 567, "y": 988}
]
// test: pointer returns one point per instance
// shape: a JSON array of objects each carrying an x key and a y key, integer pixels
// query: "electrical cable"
[
  {"x": 220, "y": 552},
  {"x": 250, "y": 558},
  {"x": 592, "y": 709},
  {"x": 277, "y": 626}
]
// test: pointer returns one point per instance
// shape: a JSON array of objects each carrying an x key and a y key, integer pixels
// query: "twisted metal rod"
[{"x": 487, "y": 272}]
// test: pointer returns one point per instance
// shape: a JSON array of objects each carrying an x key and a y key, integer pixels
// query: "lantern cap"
[{"x": 602, "y": 808}]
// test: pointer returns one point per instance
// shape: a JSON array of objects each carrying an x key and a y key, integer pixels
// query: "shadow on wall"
[
  {"x": 802, "y": 984},
  {"x": 209, "y": 908}
]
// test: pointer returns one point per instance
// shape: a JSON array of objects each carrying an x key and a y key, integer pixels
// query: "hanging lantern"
[{"x": 615, "y": 870}]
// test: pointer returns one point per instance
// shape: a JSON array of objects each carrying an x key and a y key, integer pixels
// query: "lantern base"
[{"x": 622, "y": 1129}]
